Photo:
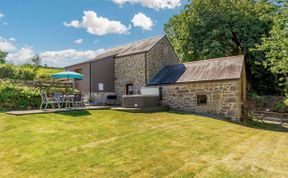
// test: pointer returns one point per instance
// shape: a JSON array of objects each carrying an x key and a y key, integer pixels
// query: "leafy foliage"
[
  {"x": 275, "y": 47},
  {"x": 280, "y": 107},
  {"x": 26, "y": 72},
  {"x": 15, "y": 96},
  {"x": 13, "y": 72},
  {"x": 44, "y": 73},
  {"x": 36, "y": 61},
  {"x": 3, "y": 56},
  {"x": 263, "y": 103},
  {"x": 217, "y": 28}
]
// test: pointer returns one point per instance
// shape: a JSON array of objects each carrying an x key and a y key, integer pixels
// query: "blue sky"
[{"x": 55, "y": 29}]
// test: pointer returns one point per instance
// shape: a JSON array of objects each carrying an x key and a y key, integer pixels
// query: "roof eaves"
[
  {"x": 91, "y": 60},
  {"x": 129, "y": 54}
]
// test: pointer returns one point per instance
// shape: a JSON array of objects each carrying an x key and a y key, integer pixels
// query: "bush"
[
  {"x": 267, "y": 103},
  {"x": 14, "y": 72},
  {"x": 45, "y": 73},
  {"x": 286, "y": 102},
  {"x": 7, "y": 71},
  {"x": 16, "y": 96},
  {"x": 280, "y": 107},
  {"x": 25, "y": 73}
]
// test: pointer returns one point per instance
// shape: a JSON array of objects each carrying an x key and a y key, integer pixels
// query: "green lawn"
[
  {"x": 47, "y": 72},
  {"x": 117, "y": 144}
]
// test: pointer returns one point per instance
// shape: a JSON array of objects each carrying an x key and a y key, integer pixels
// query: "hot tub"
[{"x": 140, "y": 101}]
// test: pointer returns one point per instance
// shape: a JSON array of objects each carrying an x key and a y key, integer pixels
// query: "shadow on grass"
[
  {"x": 266, "y": 126},
  {"x": 75, "y": 113},
  {"x": 250, "y": 123}
]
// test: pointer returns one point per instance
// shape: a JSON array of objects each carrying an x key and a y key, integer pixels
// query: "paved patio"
[{"x": 27, "y": 112}]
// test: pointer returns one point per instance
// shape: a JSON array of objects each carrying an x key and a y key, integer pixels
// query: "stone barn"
[{"x": 216, "y": 86}]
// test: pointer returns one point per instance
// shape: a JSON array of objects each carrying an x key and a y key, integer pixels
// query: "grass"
[
  {"x": 118, "y": 144},
  {"x": 43, "y": 72}
]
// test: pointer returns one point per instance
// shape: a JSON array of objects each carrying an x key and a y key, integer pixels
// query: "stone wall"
[
  {"x": 159, "y": 56},
  {"x": 129, "y": 70},
  {"x": 223, "y": 97}
]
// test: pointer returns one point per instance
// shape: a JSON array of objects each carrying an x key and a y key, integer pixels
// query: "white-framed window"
[
  {"x": 129, "y": 89},
  {"x": 100, "y": 86}
]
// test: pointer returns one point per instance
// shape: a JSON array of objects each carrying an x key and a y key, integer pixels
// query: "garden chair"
[
  {"x": 58, "y": 97},
  {"x": 68, "y": 100},
  {"x": 78, "y": 100},
  {"x": 46, "y": 101}
]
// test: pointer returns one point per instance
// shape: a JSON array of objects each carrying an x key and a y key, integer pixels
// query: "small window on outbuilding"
[{"x": 201, "y": 99}]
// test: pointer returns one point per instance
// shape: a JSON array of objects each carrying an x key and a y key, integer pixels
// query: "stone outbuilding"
[{"x": 216, "y": 86}]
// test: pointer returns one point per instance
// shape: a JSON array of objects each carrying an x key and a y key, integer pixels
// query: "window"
[
  {"x": 129, "y": 89},
  {"x": 100, "y": 86},
  {"x": 201, "y": 99}
]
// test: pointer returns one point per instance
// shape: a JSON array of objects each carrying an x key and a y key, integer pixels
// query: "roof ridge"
[
  {"x": 133, "y": 42},
  {"x": 212, "y": 59}
]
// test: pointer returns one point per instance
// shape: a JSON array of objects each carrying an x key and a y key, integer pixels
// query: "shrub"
[
  {"x": 25, "y": 73},
  {"x": 267, "y": 103},
  {"x": 7, "y": 71},
  {"x": 286, "y": 102},
  {"x": 280, "y": 107},
  {"x": 16, "y": 96}
]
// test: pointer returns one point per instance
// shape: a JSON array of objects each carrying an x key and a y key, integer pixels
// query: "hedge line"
[
  {"x": 16, "y": 96},
  {"x": 14, "y": 72}
]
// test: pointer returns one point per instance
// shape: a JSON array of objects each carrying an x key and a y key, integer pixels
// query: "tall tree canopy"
[
  {"x": 3, "y": 56},
  {"x": 36, "y": 61},
  {"x": 217, "y": 28},
  {"x": 275, "y": 47}
]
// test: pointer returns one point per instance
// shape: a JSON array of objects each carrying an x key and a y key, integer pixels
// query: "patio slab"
[
  {"x": 149, "y": 109},
  {"x": 27, "y": 112}
]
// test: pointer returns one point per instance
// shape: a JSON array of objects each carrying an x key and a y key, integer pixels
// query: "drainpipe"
[{"x": 90, "y": 78}]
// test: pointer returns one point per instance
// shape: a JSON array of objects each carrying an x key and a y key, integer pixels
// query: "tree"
[
  {"x": 36, "y": 61},
  {"x": 275, "y": 47},
  {"x": 3, "y": 56},
  {"x": 216, "y": 28}
]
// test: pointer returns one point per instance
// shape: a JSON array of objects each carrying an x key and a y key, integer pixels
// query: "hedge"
[
  {"x": 18, "y": 97},
  {"x": 15, "y": 72}
]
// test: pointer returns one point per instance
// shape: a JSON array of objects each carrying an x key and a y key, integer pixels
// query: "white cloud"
[
  {"x": 98, "y": 25},
  {"x": 59, "y": 58},
  {"x": 64, "y": 57},
  {"x": 78, "y": 41},
  {"x": 7, "y": 45},
  {"x": 153, "y": 4},
  {"x": 1, "y": 15},
  {"x": 20, "y": 56},
  {"x": 73, "y": 23},
  {"x": 141, "y": 20},
  {"x": 12, "y": 39}
]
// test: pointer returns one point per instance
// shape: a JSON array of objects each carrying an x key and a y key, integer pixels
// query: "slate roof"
[
  {"x": 135, "y": 47},
  {"x": 205, "y": 70}
]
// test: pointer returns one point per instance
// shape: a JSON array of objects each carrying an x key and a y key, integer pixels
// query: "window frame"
[
  {"x": 202, "y": 100},
  {"x": 127, "y": 89}
]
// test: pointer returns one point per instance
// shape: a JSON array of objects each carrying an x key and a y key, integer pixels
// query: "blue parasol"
[{"x": 68, "y": 75}]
